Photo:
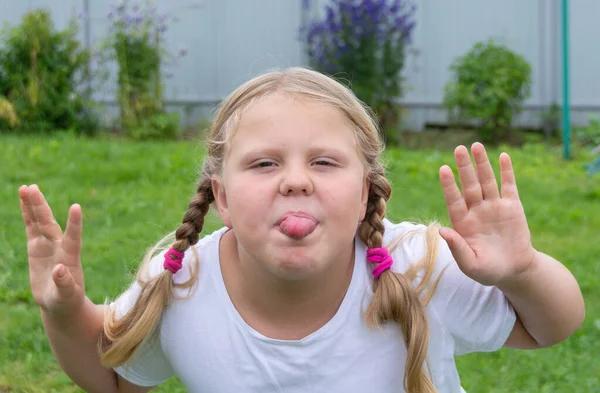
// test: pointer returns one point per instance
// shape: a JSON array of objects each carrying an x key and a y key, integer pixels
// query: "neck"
[{"x": 283, "y": 309}]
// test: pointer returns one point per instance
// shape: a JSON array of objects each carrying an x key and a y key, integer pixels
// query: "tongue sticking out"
[{"x": 297, "y": 226}]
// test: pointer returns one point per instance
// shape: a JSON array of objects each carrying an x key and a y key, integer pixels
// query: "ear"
[
  {"x": 218, "y": 189},
  {"x": 364, "y": 199}
]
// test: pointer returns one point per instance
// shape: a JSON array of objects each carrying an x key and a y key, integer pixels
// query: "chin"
[
  {"x": 297, "y": 266},
  {"x": 288, "y": 274}
]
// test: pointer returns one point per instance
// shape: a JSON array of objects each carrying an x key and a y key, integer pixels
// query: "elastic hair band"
[
  {"x": 382, "y": 258},
  {"x": 173, "y": 260}
]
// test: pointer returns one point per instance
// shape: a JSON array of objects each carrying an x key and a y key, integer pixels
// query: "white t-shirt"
[{"x": 205, "y": 342}]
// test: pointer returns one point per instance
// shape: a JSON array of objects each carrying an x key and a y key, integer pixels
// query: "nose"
[{"x": 296, "y": 181}]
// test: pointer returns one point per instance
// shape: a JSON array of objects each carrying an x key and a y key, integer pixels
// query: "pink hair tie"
[
  {"x": 382, "y": 258},
  {"x": 173, "y": 260}
]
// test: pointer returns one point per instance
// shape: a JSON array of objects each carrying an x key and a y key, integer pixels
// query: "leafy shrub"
[
  {"x": 136, "y": 43},
  {"x": 589, "y": 135},
  {"x": 41, "y": 70},
  {"x": 589, "y": 138},
  {"x": 157, "y": 126},
  {"x": 551, "y": 120},
  {"x": 365, "y": 41},
  {"x": 488, "y": 85}
]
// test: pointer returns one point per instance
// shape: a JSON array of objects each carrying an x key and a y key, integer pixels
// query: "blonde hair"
[{"x": 395, "y": 299}]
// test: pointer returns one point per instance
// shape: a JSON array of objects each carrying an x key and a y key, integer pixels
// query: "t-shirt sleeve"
[
  {"x": 478, "y": 318},
  {"x": 148, "y": 366}
]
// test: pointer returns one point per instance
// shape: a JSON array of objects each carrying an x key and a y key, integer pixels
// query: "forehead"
[{"x": 287, "y": 120}]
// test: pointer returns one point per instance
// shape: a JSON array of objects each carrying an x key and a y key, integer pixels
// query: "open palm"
[
  {"x": 490, "y": 238},
  {"x": 55, "y": 271}
]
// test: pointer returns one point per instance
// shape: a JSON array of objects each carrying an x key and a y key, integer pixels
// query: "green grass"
[{"x": 133, "y": 193}]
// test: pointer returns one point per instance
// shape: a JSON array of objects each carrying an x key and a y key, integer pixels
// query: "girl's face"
[{"x": 293, "y": 187}]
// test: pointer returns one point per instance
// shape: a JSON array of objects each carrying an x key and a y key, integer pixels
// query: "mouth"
[{"x": 297, "y": 225}]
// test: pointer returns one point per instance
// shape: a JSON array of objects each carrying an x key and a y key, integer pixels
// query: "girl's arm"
[
  {"x": 491, "y": 243},
  {"x": 548, "y": 303},
  {"x": 74, "y": 342},
  {"x": 72, "y": 322}
]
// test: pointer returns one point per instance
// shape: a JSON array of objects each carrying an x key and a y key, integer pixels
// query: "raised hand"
[
  {"x": 55, "y": 271},
  {"x": 490, "y": 238}
]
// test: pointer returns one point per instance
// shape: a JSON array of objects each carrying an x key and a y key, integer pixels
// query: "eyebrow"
[{"x": 316, "y": 150}]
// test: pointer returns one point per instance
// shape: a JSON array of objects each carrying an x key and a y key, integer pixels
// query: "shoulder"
[
  {"x": 421, "y": 253},
  {"x": 409, "y": 242},
  {"x": 203, "y": 250},
  {"x": 421, "y": 247},
  {"x": 401, "y": 226},
  {"x": 476, "y": 317}
]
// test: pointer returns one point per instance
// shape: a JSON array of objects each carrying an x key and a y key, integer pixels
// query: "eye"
[
  {"x": 324, "y": 163},
  {"x": 264, "y": 164}
]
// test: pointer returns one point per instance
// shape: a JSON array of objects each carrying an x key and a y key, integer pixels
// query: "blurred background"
[
  {"x": 103, "y": 103},
  {"x": 201, "y": 50}
]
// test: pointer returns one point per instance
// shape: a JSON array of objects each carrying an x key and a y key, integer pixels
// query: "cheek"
[
  {"x": 249, "y": 201},
  {"x": 344, "y": 199}
]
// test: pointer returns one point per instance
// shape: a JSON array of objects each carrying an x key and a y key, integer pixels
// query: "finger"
[
  {"x": 43, "y": 214},
  {"x": 462, "y": 253},
  {"x": 457, "y": 208},
  {"x": 468, "y": 178},
  {"x": 72, "y": 238},
  {"x": 485, "y": 173},
  {"x": 507, "y": 177},
  {"x": 65, "y": 284},
  {"x": 31, "y": 227}
]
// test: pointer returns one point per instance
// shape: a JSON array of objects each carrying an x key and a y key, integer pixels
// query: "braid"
[
  {"x": 122, "y": 337},
  {"x": 189, "y": 231},
  {"x": 371, "y": 229},
  {"x": 394, "y": 297}
]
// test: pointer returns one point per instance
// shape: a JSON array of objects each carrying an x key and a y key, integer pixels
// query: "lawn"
[{"x": 133, "y": 193}]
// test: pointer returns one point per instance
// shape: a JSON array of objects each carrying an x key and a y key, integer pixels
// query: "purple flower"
[
  {"x": 137, "y": 19},
  {"x": 93, "y": 65},
  {"x": 127, "y": 19},
  {"x": 330, "y": 18},
  {"x": 132, "y": 26},
  {"x": 358, "y": 29}
]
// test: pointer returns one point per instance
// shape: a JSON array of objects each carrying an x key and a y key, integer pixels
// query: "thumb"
[
  {"x": 65, "y": 284},
  {"x": 458, "y": 246}
]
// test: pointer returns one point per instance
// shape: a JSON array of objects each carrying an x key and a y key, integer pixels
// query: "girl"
[{"x": 307, "y": 287}]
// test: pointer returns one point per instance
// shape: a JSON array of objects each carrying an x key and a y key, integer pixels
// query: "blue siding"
[{"x": 230, "y": 41}]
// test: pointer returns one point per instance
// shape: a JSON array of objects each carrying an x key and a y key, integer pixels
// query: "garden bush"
[
  {"x": 488, "y": 86},
  {"x": 136, "y": 43},
  {"x": 42, "y": 72}
]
